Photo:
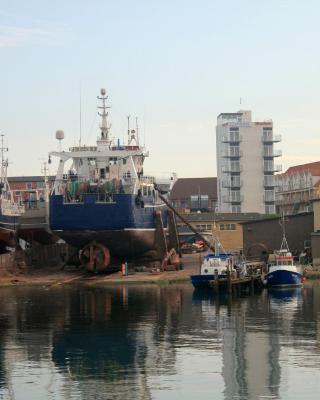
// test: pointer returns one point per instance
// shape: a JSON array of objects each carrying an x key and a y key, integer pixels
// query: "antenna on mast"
[
  {"x": 284, "y": 244},
  {"x": 4, "y": 163},
  {"x": 128, "y": 117},
  {"x": 104, "y": 114},
  {"x": 45, "y": 171},
  {"x": 80, "y": 116},
  {"x": 137, "y": 132}
]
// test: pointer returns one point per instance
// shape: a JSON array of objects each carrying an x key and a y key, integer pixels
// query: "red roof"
[{"x": 313, "y": 168}]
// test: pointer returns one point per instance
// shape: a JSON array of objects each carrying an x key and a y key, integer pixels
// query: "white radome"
[{"x": 59, "y": 135}]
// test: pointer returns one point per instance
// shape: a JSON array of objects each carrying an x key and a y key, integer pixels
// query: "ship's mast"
[
  {"x": 104, "y": 126},
  {"x": 4, "y": 162},
  {"x": 284, "y": 244},
  {"x": 128, "y": 117}
]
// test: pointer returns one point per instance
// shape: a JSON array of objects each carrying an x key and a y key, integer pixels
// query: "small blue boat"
[
  {"x": 286, "y": 276},
  {"x": 282, "y": 271},
  {"x": 211, "y": 262}
]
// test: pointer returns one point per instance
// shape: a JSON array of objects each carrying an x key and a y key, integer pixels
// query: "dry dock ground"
[{"x": 55, "y": 276}]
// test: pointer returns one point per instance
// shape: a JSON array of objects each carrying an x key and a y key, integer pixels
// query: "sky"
[{"x": 175, "y": 64}]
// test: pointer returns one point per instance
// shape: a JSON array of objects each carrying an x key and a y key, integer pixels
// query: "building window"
[
  {"x": 183, "y": 203},
  {"x": 204, "y": 227},
  {"x": 268, "y": 195},
  {"x": 204, "y": 202},
  {"x": 227, "y": 227},
  {"x": 235, "y": 195},
  {"x": 28, "y": 186},
  {"x": 236, "y": 209},
  {"x": 194, "y": 202},
  {"x": 40, "y": 185},
  {"x": 270, "y": 209}
]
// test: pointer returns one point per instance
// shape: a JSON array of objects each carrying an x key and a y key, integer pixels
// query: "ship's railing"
[
  {"x": 98, "y": 198},
  {"x": 83, "y": 148},
  {"x": 74, "y": 177},
  {"x": 149, "y": 180},
  {"x": 8, "y": 207},
  {"x": 32, "y": 204}
]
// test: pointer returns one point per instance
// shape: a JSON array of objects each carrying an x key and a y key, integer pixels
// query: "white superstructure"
[
  {"x": 105, "y": 162},
  {"x": 245, "y": 163}
]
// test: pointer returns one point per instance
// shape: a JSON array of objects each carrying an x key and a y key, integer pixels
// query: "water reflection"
[{"x": 157, "y": 342}]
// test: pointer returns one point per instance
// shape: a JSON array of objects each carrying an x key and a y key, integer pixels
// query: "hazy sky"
[{"x": 175, "y": 64}]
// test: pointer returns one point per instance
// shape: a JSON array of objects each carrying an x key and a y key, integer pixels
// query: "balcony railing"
[
  {"x": 233, "y": 197},
  {"x": 269, "y": 196},
  {"x": 231, "y": 138},
  {"x": 232, "y": 184},
  {"x": 272, "y": 168},
  {"x": 273, "y": 153},
  {"x": 231, "y": 168},
  {"x": 271, "y": 138},
  {"x": 269, "y": 181},
  {"x": 231, "y": 153}
]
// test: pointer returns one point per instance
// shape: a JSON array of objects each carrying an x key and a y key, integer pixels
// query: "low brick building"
[
  {"x": 263, "y": 236},
  {"x": 227, "y": 226},
  {"x": 29, "y": 188}
]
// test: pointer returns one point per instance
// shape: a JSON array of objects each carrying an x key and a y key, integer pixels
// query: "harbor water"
[{"x": 158, "y": 342}]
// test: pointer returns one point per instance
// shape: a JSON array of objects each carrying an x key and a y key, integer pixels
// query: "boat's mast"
[
  {"x": 284, "y": 244},
  {"x": 104, "y": 127},
  {"x": 45, "y": 171},
  {"x": 128, "y": 117},
  {"x": 137, "y": 132},
  {"x": 4, "y": 163}
]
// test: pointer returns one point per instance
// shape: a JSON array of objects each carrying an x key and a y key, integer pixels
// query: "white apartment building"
[{"x": 245, "y": 164}]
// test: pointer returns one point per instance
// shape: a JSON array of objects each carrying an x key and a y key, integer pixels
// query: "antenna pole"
[
  {"x": 45, "y": 170},
  {"x": 104, "y": 114},
  {"x": 4, "y": 163},
  {"x": 128, "y": 117},
  {"x": 137, "y": 130},
  {"x": 80, "y": 116}
]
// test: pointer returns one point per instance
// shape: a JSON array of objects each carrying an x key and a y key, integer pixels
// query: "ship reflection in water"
[{"x": 158, "y": 343}]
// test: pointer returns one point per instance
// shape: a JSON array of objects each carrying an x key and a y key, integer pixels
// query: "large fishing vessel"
[{"x": 103, "y": 197}]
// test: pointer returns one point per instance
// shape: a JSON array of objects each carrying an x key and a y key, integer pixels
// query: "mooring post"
[
  {"x": 229, "y": 283},
  {"x": 91, "y": 258},
  {"x": 252, "y": 284},
  {"x": 216, "y": 280}
]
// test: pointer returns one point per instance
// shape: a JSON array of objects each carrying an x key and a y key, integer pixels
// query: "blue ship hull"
[
  {"x": 126, "y": 228},
  {"x": 203, "y": 281},
  {"x": 282, "y": 278}
]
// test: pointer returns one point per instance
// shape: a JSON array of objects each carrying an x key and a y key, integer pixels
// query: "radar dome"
[
  {"x": 59, "y": 135},
  {"x": 103, "y": 91}
]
